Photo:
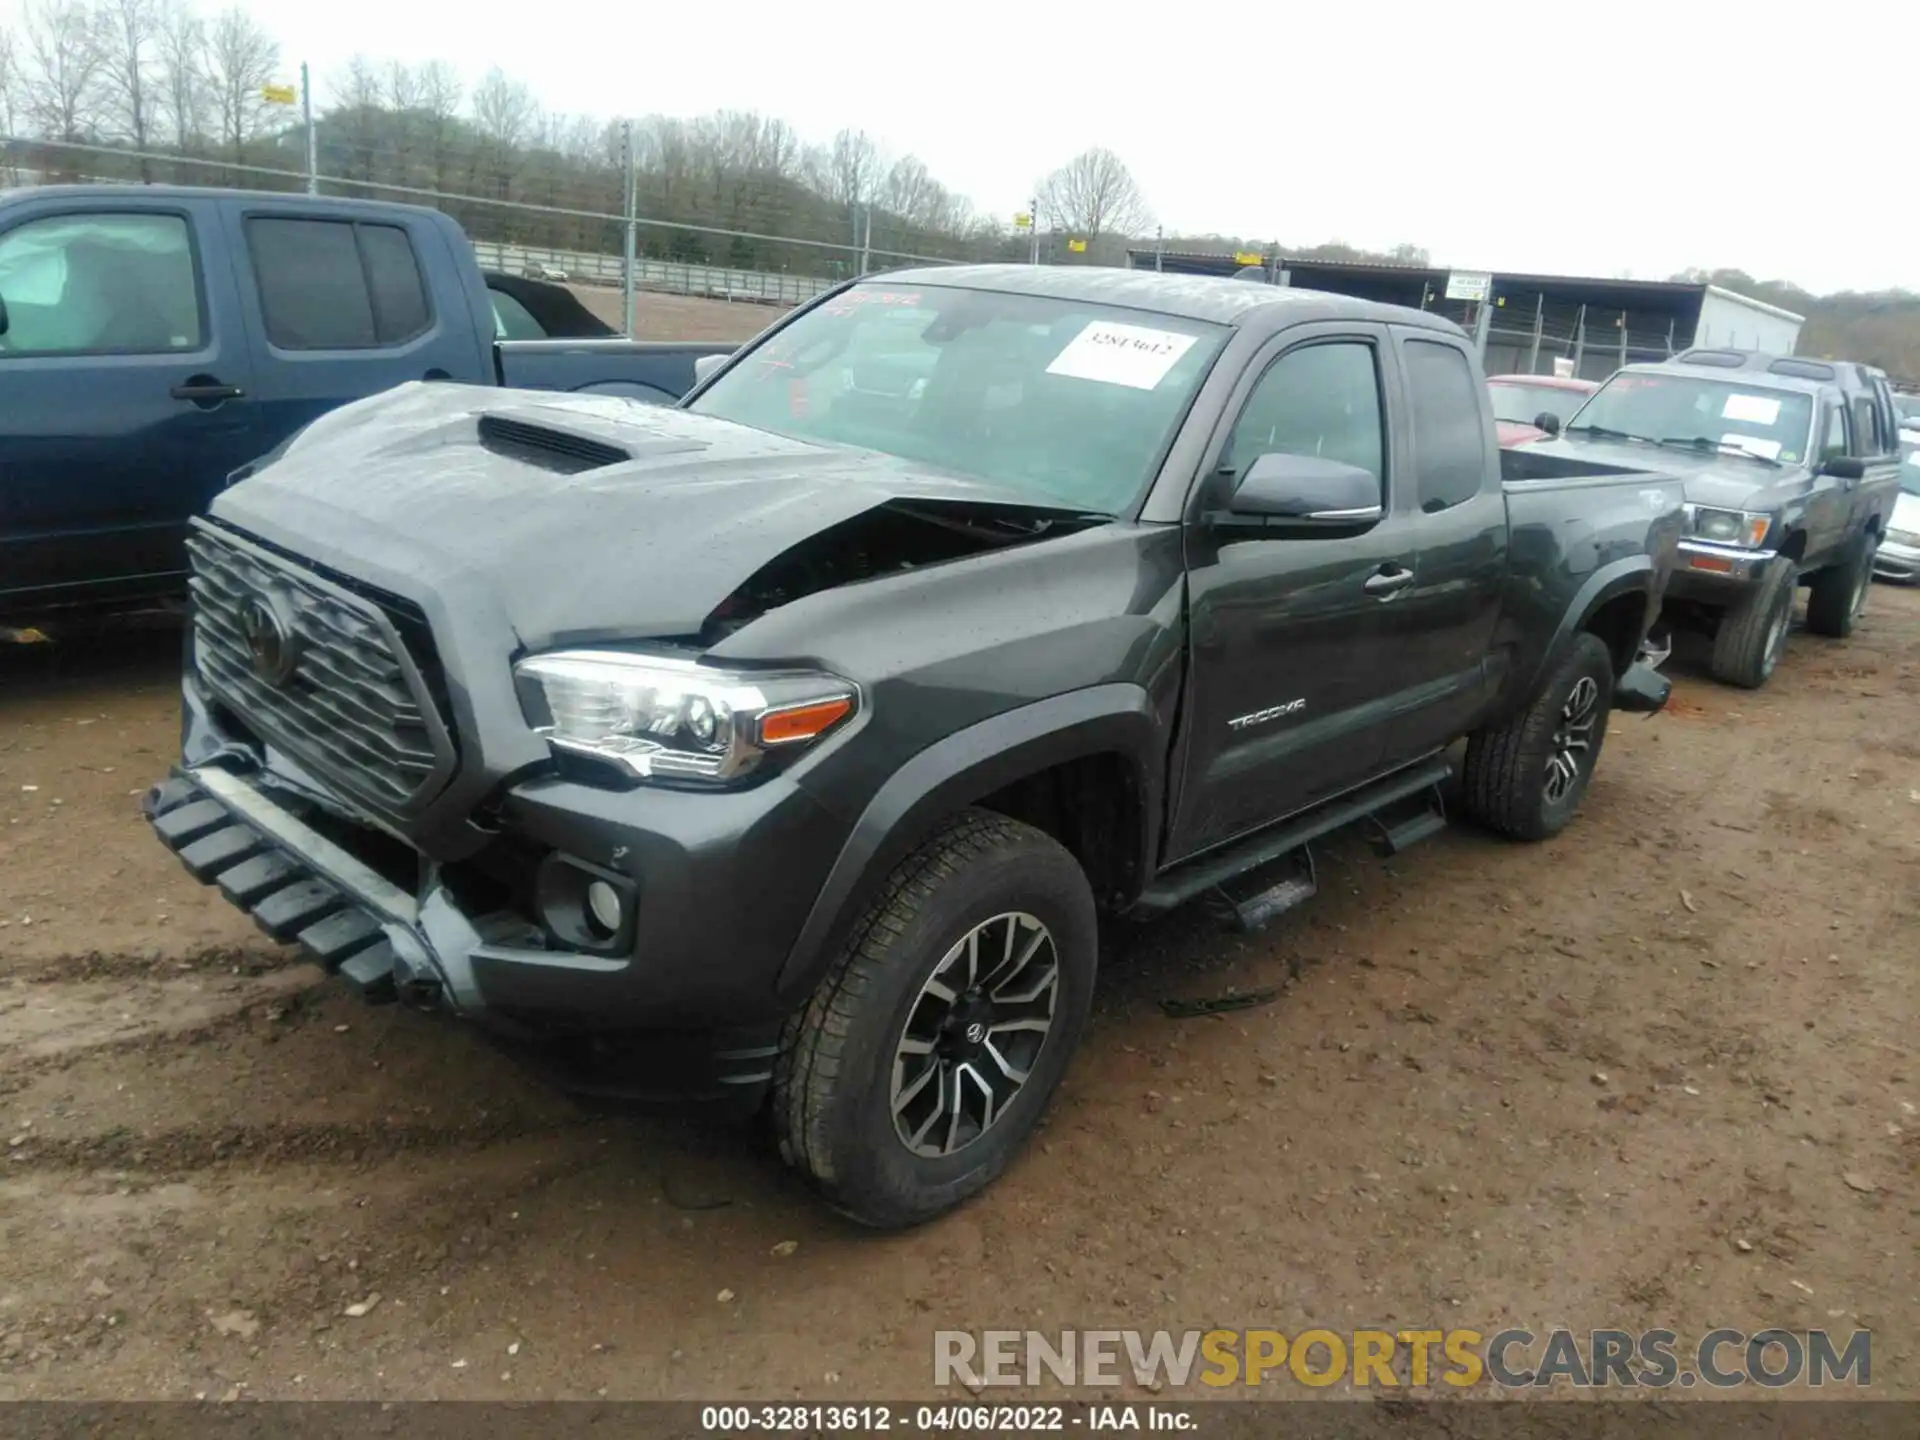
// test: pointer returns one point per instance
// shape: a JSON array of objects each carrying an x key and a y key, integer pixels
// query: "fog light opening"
[{"x": 604, "y": 909}]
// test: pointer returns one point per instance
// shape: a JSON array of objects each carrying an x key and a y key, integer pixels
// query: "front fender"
[{"x": 948, "y": 776}]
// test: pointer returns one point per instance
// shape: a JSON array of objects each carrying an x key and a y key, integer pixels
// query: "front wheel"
[
  {"x": 1753, "y": 635},
  {"x": 1524, "y": 777},
  {"x": 934, "y": 1042},
  {"x": 1839, "y": 593}
]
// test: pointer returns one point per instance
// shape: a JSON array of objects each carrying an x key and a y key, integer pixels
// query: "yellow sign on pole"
[
  {"x": 1079, "y": 247},
  {"x": 1248, "y": 257},
  {"x": 1023, "y": 221},
  {"x": 280, "y": 94}
]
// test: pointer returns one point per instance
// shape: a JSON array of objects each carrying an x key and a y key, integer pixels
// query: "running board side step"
[{"x": 1251, "y": 884}]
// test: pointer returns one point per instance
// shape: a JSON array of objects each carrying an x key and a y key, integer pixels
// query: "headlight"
[
  {"x": 1728, "y": 527},
  {"x": 668, "y": 718}
]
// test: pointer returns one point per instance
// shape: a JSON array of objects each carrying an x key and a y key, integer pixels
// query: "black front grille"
[{"x": 349, "y": 702}]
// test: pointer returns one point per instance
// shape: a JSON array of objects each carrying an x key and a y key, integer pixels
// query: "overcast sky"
[{"x": 1625, "y": 137}]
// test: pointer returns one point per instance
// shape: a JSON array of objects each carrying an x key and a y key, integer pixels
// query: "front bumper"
[
  {"x": 640, "y": 1025},
  {"x": 1897, "y": 562},
  {"x": 1716, "y": 574}
]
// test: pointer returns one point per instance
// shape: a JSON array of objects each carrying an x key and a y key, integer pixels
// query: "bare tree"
[
  {"x": 505, "y": 113},
  {"x": 60, "y": 69},
  {"x": 9, "y": 79},
  {"x": 1094, "y": 194},
  {"x": 127, "y": 33},
  {"x": 181, "y": 73},
  {"x": 241, "y": 58},
  {"x": 849, "y": 171},
  {"x": 357, "y": 119},
  {"x": 400, "y": 87},
  {"x": 437, "y": 95}
]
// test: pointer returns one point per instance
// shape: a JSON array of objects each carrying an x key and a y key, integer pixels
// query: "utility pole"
[
  {"x": 632, "y": 213},
  {"x": 866, "y": 237},
  {"x": 1159, "y": 246},
  {"x": 313, "y": 144},
  {"x": 1033, "y": 231}
]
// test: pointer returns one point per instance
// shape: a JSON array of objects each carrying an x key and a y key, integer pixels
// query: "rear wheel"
[
  {"x": 1840, "y": 591},
  {"x": 1753, "y": 635},
  {"x": 933, "y": 1044},
  {"x": 1525, "y": 777}
]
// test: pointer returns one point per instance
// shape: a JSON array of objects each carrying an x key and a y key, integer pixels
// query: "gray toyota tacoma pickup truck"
[
  {"x": 789, "y": 745},
  {"x": 1792, "y": 470}
]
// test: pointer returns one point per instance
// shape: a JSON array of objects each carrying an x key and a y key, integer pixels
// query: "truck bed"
[{"x": 1576, "y": 530}]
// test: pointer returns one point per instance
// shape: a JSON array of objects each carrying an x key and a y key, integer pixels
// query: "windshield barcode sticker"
[
  {"x": 1130, "y": 355},
  {"x": 1753, "y": 409}
]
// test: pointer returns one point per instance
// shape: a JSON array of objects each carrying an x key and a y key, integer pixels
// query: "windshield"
[
  {"x": 1710, "y": 414},
  {"x": 1068, "y": 402},
  {"x": 1519, "y": 403},
  {"x": 1910, "y": 468},
  {"x": 1908, "y": 406}
]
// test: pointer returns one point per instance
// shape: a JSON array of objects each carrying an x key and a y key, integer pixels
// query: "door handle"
[
  {"x": 1388, "y": 581},
  {"x": 205, "y": 390}
]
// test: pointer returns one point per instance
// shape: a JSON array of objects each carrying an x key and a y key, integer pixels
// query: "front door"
[
  {"x": 123, "y": 404},
  {"x": 1829, "y": 499},
  {"x": 1296, "y": 642}
]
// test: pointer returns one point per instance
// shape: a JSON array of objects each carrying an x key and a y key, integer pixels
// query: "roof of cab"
[
  {"x": 125, "y": 193},
  {"x": 1794, "y": 372},
  {"x": 1213, "y": 299}
]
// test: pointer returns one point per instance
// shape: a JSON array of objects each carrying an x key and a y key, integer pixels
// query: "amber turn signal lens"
[
  {"x": 803, "y": 722},
  {"x": 1710, "y": 562}
]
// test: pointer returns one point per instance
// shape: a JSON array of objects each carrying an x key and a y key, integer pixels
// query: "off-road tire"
[
  {"x": 1504, "y": 784},
  {"x": 1839, "y": 593},
  {"x": 1753, "y": 635},
  {"x": 832, "y": 1091}
]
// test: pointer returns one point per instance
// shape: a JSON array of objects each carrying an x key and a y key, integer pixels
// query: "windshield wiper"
[
  {"x": 1726, "y": 447},
  {"x": 1601, "y": 432}
]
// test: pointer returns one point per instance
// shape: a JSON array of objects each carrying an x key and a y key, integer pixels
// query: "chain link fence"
[{"x": 580, "y": 242}]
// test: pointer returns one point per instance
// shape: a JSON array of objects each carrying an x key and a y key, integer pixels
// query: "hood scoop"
[{"x": 561, "y": 451}]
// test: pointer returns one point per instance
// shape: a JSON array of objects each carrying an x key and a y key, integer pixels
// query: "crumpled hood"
[
  {"x": 400, "y": 492},
  {"x": 1724, "y": 481}
]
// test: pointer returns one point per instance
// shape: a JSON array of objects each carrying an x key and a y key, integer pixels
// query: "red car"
[{"x": 1519, "y": 400}]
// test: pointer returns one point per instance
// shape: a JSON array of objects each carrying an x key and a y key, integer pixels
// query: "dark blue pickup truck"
[{"x": 154, "y": 339}]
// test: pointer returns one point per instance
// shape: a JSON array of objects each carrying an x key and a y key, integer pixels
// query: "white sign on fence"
[{"x": 1468, "y": 285}]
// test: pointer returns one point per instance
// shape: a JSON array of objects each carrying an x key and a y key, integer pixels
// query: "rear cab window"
[
  {"x": 1449, "y": 429},
  {"x": 337, "y": 284}
]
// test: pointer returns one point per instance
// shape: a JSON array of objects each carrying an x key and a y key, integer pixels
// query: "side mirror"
[
  {"x": 1307, "y": 490},
  {"x": 1845, "y": 467},
  {"x": 705, "y": 365},
  {"x": 1547, "y": 423}
]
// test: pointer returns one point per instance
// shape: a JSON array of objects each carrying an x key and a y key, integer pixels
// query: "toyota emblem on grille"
[{"x": 272, "y": 641}]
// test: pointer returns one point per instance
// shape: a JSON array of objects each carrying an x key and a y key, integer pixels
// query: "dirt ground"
[
  {"x": 678, "y": 317},
  {"x": 1660, "y": 1071}
]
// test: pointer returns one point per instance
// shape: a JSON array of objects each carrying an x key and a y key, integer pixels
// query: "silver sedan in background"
[{"x": 1898, "y": 557}]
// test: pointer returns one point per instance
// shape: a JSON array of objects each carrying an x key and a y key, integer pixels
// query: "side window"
[
  {"x": 400, "y": 310},
  {"x": 336, "y": 285},
  {"x": 1833, "y": 438},
  {"x": 1321, "y": 399},
  {"x": 1865, "y": 431},
  {"x": 512, "y": 320},
  {"x": 100, "y": 284},
  {"x": 1450, "y": 440}
]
